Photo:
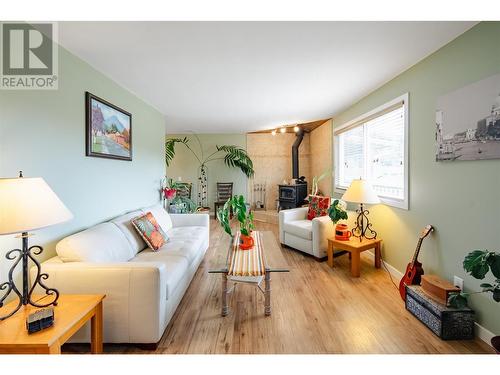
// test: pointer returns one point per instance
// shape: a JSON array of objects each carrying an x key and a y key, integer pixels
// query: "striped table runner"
[{"x": 247, "y": 262}]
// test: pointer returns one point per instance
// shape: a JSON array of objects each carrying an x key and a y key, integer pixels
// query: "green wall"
[
  {"x": 43, "y": 134},
  {"x": 461, "y": 199},
  {"x": 185, "y": 165}
]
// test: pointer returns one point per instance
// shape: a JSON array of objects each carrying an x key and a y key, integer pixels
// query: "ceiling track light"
[{"x": 283, "y": 129}]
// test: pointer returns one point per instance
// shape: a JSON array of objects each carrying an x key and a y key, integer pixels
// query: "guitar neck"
[{"x": 417, "y": 251}]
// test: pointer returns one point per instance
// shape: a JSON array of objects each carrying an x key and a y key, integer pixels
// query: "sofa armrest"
[
  {"x": 186, "y": 220},
  {"x": 323, "y": 229},
  {"x": 135, "y": 292}
]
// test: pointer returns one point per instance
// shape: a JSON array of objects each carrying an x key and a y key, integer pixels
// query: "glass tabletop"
[{"x": 273, "y": 255}]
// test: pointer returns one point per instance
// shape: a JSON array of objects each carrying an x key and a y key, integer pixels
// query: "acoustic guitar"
[{"x": 414, "y": 270}]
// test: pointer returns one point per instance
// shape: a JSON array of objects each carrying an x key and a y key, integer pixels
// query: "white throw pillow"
[
  {"x": 102, "y": 243},
  {"x": 161, "y": 215}
]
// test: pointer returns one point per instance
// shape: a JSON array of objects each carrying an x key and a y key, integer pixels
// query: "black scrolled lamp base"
[
  {"x": 363, "y": 228},
  {"x": 24, "y": 255}
]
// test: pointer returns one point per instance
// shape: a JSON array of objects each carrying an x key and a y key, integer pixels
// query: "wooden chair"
[
  {"x": 224, "y": 192},
  {"x": 184, "y": 189}
]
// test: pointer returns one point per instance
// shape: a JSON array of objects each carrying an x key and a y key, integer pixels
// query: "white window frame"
[{"x": 394, "y": 202}]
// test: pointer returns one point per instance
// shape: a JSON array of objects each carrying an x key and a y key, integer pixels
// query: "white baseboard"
[
  {"x": 484, "y": 334},
  {"x": 393, "y": 271},
  {"x": 481, "y": 332}
]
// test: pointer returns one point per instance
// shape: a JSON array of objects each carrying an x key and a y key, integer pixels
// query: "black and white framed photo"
[{"x": 468, "y": 122}]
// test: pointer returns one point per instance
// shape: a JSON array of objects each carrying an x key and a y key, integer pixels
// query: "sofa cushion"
[
  {"x": 161, "y": 216},
  {"x": 318, "y": 206},
  {"x": 176, "y": 267},
  {"x": 187, "y": 233},
  {"x": 150, "y": 230},
  {"x": 124, "y": 223},
  {"x": 185, "y": 242},
  {"x": 104, "y": 242},
  {"x": 299, "y": 228}
]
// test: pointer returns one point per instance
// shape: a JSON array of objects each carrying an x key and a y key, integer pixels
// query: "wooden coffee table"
[
  {"x": 70, "y": 314},
  {"x": 354, "y": 246}
]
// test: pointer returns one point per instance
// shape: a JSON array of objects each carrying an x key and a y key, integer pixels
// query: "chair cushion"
[
  {"x": 150, "y": 230},
  {"x": 299, "y": 228},
  {"x": 176, "y": 267},
  {"x": 124, "y": 223},
  {"x": 161, "y": 216},
  {"x": 104, "y": 242},
  {"x": 318, "y": 206}
]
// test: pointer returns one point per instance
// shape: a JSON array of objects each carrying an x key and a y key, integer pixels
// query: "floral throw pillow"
[
  {"x": 318, "y": 206},
  {"x": 147, "y": 226}
]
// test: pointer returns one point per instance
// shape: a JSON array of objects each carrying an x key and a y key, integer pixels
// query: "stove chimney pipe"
[{"x": 295, "y": 153}]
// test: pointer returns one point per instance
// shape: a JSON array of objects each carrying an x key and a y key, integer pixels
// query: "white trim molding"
[{"x": 484, "y": 334}]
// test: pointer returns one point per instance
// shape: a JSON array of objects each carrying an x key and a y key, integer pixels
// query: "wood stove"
[{"x": 292, "y": 196}]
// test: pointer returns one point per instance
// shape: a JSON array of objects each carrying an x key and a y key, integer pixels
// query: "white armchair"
[{"x": 309, "y": 236}]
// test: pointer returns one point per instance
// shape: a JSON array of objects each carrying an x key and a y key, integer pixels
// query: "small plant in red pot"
[
  {"x": 337, "y": 212},
  {"x": 169, "y": 193},
  {"x": 238, "y": 206}
]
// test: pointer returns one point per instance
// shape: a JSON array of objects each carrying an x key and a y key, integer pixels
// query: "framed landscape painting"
[{"x": 108, "y": 129}]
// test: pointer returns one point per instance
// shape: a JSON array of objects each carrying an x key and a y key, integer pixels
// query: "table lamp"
[
  {"x": 28, "y": 204},
  {"x": 362, "y": 192}
]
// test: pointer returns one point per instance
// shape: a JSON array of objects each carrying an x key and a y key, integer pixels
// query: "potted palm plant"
[
  {"x": 233, "y": 157},
  {"x": 477, "y": 263},
  {"x": 238, "y": 207}
]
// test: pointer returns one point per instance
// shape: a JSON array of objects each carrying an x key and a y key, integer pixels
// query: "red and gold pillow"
[
  {"x": 318, "y": 206},
  {"x": 147, "y": 226}
]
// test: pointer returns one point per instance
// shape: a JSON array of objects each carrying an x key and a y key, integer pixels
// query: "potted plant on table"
[
  {"x": 238, "y": 207},
  {"x": 338, "y": 211},
  {"x": 175, "y": 202},
  {"x": 477, "y": 263}
]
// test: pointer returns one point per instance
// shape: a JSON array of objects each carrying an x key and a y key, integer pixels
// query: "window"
[{"x": 375, "y": 147}]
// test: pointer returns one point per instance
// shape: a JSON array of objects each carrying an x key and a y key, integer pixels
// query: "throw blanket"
[{"x": 247, "y": 262}]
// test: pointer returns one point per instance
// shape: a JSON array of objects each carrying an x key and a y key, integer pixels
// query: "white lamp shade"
[
  {"x": 27, "y": 204},
  {"x": 361, "y": 191}
]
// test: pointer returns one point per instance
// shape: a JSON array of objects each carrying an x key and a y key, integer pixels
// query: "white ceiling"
[{"x": 222, "y": 77}]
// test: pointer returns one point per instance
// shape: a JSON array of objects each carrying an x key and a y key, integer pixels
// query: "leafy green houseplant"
[
  {"x": 337, "y": 211},
  {"x": 316, "y": 180},
  {"x": 238, "y": 207},
  {"x": 233, "y": 157},
  {"x": 477, "y": 263},
  {"x": 170, "y": 190}
]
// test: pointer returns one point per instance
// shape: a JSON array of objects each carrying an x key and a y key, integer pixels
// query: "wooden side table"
[
  {"x": 70, "y": 314},
  {"x": 354, "y": 246}
]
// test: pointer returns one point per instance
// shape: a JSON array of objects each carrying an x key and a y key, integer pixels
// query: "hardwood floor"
[{"x": 316, "y": 309}]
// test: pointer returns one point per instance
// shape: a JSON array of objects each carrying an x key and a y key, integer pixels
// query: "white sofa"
[
  {"x": 143, "y": 288},
  {"x": 309, "y": 236}
]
